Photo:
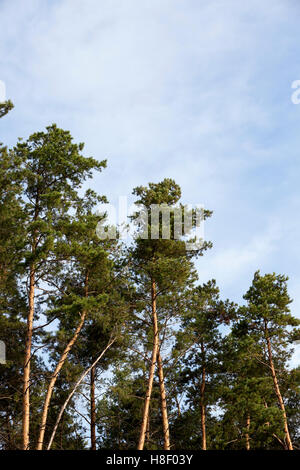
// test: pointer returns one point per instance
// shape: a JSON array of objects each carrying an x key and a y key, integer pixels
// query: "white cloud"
[{"x": 230, "y": 264}]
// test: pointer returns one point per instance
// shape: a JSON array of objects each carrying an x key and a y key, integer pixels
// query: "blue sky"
[{"x": 196, "y": 90}]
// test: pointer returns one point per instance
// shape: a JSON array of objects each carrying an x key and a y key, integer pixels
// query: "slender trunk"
[
  {"x": 202, "y": 401},
  {"x": 152, "y": 369},
  {"x": 93, "y": 410},
  {"x": 277, "y": 391},
  {"x": 26, "y": 370},
  {"x": 164, "y": 410},
  {"x": 247, "y": 433},
  {"x": 110, "y": 343},
  {"x": 56, "y": 372}
]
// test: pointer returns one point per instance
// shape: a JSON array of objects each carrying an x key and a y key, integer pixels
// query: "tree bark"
[
  {"x": 93, "y": 410},
  {"x": 143, "y": 429},
  {"x": 56, "y": 372},
  {"x": 27, "y": 359},
  {"x": 277, "y": 390},
  {"x": 202, "y": 401},
  {"x": 247, "y": 433},
  {"x": 164, "y": 410}
]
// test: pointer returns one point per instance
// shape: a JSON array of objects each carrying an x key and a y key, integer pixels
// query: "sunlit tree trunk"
[{"x": 277, "y": 390}]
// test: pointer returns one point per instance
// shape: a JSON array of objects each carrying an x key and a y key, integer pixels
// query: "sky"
[{"x": 199, "y": 91}]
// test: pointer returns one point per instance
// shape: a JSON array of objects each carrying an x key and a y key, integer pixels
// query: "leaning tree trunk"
[
  {"x": 163, "y": 399},
  {"x": 56, "y": 372},
  {"x": 27, "y": 359},
  {"x": 277, "y": 391},
  {"x": 93, "y": 410},
  {"x": 202, "y": 399},
  {"x": 143, "y": 429}
]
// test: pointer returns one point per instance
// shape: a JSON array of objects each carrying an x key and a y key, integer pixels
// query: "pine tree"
[
  {"x": 251, "y": 418},
  {"x": 161, "y": 264},
  {"x": 50, "y": 168},
  {"x": 268, "y": 316}
]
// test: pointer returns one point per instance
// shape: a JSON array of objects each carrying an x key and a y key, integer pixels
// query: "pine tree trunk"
[
  {"x": 56, "y": 372},
  {"x": 163, "y": 399},
  {"x": 202, "y": 401},
  {"x": 247, "y": 433},
  {"x": 27, "y": 359},
  {"x": 152, "y": 369},
  {"x": 277, "y": 391},
  {"x": 93, "y": 410}
]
